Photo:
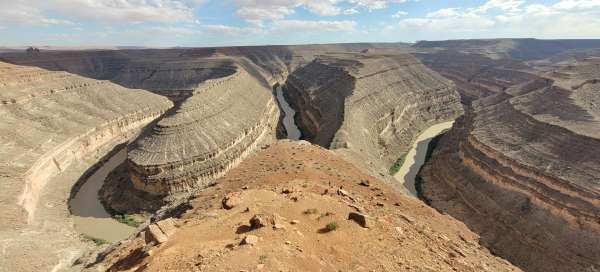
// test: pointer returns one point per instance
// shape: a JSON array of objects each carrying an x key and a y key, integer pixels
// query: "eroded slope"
[{"x": 295, "y": 190}]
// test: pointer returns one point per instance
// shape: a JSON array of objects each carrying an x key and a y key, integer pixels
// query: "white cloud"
[
  {"x": 351, "y": 11},
  {"x": 562, "y": 19},
  {"x": 258, "y": 11},
  {"x": 400, "y": 14},
  {"x": 375, "y": 4},
  {"x": 230, "y": 29},
  {"x": 130, "y": 11},
  {"x": 446, "y": 12},
  {"x": 51, "y": 12},
  {"x": 302, "y": 26},
  {"x": 505, "y": 5}
]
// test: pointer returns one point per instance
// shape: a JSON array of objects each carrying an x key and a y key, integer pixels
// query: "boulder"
[{"x": 361, "y": 219}]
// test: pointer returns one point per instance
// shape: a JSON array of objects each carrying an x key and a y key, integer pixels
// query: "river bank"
[{"x": 415, "y": 157}]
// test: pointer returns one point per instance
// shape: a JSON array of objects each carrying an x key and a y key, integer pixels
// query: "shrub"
[{"x": 331, "y": 226}]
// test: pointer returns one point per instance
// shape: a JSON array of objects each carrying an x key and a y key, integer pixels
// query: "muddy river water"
[
  {"x": 288, "y": 120},
  {"x": 415, "y": 158},
  {"x": 89, "y": 215}
]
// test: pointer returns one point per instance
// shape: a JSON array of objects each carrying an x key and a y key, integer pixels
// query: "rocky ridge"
[{"x": 299, "y": 207}]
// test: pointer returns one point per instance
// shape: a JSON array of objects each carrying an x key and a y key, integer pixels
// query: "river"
[
  {"x": 416, "y": 157},
  {"x": 288, "y": 120},
  {"x": 89, "y": 215}
]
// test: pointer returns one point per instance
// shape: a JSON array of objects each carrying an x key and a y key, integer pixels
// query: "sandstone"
[
  {"x": 154, "y": 233},
  {"x": 260, "y": 220},
  {"x": 361, "y": 219},
  {"x": 250, "y": 240},
  {"x": 231, "y": 200}
]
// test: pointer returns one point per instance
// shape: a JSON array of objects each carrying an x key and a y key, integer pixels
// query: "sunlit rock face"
[{"x": 223, "y": 121}]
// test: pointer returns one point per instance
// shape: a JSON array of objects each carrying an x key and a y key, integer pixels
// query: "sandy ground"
[
  {"x": 89, "y": 215},
  {"x": 416, "y": 157},
  {"x": 298, "y": 189}
]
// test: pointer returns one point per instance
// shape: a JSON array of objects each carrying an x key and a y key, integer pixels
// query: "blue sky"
[{"x": 164, "y": 23}]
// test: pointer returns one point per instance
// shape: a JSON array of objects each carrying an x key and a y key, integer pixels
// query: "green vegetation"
[
  {"x": 127, "y": 219},
  {"x": 331, "y": 226},
  {"x": 397, "y": 165},
  {"x": 96, "y": 241}
]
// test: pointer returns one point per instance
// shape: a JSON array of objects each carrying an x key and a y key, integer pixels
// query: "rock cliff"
[
  {"x": 522, "y": 169},
  {"x": 369, "y": 105},
  {"x": 223, "y": 121},
  {"x": 52, "y": 122}
]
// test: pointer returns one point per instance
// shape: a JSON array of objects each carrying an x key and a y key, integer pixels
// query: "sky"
[{"x": 198, "y": 23}]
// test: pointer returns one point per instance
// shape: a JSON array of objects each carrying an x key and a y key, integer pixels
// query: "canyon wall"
[
  {"x": 522, "y": 169},
  {"x": 51, "y": 122},
  {"x": 209, "y": 133},
  {"x": 370, "y": 105}
]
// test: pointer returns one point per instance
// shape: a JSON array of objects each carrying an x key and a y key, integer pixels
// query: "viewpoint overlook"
[{"x": 475, "y": 155}]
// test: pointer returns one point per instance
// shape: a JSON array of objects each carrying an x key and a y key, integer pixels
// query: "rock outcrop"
[
  {"x": 223, "y": 121},
  {"x": 522, "y": 168},
  {"x": 371, "y": 105},
  {"x": 51, "y": 123},
  {"x": 288, "y": 196}
]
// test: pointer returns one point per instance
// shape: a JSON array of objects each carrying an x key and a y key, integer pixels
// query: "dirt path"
[
  {"x": 89, "y": 215},
  {"x": 416, "y": 157}
]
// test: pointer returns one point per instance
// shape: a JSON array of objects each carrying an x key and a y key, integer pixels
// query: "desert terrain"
[{"x": 465, "y": 155}]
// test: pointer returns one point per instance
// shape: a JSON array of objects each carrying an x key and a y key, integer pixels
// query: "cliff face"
[
  {"x": 522, "y": 168},
  {"x": 52, "y": 122},
  {"x": 292, "y": 190},
  {"x": 370, "y": 105},
  {"x": 222, "y": 122}
]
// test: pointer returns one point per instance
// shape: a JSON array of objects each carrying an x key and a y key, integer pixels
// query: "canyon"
[
  {"x": 521, "y": 166},
  {"x": 193, "y": 140}
]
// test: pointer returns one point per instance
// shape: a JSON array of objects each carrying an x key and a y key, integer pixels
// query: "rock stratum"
[
  {"x": 522, "y": 166},
  {"x": 270, "y": 213},
  {"x": 52, "y": 124},
  {"x": 370, "y": 105},
  {"x": 223, "y": 121}
]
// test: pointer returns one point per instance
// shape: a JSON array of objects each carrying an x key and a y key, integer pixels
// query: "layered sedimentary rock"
[
  {"x": 522, "y": 168},
  {"x": 209, "y": 133},
  {"x": 372, "y": 105},
  {"x": 51, "y": 122}
]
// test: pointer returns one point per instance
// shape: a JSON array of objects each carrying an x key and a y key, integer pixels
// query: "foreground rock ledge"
[{"x": 296, "y": 185}]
